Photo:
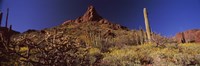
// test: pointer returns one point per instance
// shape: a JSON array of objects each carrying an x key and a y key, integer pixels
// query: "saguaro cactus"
[
  {"x": 10, "y": 27},
  {"x": 1, "y": 16},
  {"x": 7, "y": 17},
  {"x": 148, "y": 30}
]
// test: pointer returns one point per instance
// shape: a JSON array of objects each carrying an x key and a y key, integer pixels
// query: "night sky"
[{"x": 165, "y": 16}]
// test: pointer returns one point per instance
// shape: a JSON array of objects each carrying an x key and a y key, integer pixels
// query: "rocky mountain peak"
[{"x": 91, "y": 15}]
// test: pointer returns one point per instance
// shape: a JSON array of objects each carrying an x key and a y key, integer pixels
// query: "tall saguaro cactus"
[
  {"x": 1, "y": 16},
  {"x": 7, "y": 17},
  {"x": 148, "y": 30}
]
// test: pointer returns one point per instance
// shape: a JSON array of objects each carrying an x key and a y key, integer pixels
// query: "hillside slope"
[
  {"x": 91, "y": 40},
  {"x": 71, "y": 43}
]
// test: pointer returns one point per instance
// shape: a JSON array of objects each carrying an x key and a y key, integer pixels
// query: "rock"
[
  {"x": 192, "y": 35},
  {"x": 104, "y": 21},
  {"x": 91, "y": 15},
  {"x": 68, "y": 21},
  {"x": 110, "y": 34}
]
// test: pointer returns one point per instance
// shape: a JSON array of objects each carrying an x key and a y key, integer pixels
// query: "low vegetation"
[
  {"x": 149, "y": 54},
  {"x": 86, "y": 45}
]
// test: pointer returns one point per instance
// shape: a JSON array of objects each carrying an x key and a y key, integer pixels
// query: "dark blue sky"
[{"x": 165, "y": 16}]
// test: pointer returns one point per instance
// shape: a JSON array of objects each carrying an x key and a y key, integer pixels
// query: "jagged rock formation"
[
  {"x": 91, "y": 15},
  {"x": 189, "y": 36}
]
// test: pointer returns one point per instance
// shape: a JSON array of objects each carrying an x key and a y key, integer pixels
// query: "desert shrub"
[
  {"x": 129, "y": 38},
  {"x": 126, "y": 56},
  {"x": 160, "y": 40},
  {"x": 70, "y": 53},
  {"x": 31, "y": 50},
  {"x": 149, "y": 54},
  {"x": 94, "y": 56},
  {"x": 121, "y": 58},
  {"x": 185, "y": 54}
]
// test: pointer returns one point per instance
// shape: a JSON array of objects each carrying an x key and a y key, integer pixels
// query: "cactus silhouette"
[
  {"x": 183, "y": 38},
  {"x": 7, "y": 17},
  {"x": 1, "y": 16},
  {"x": 10, "y": 29}
]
